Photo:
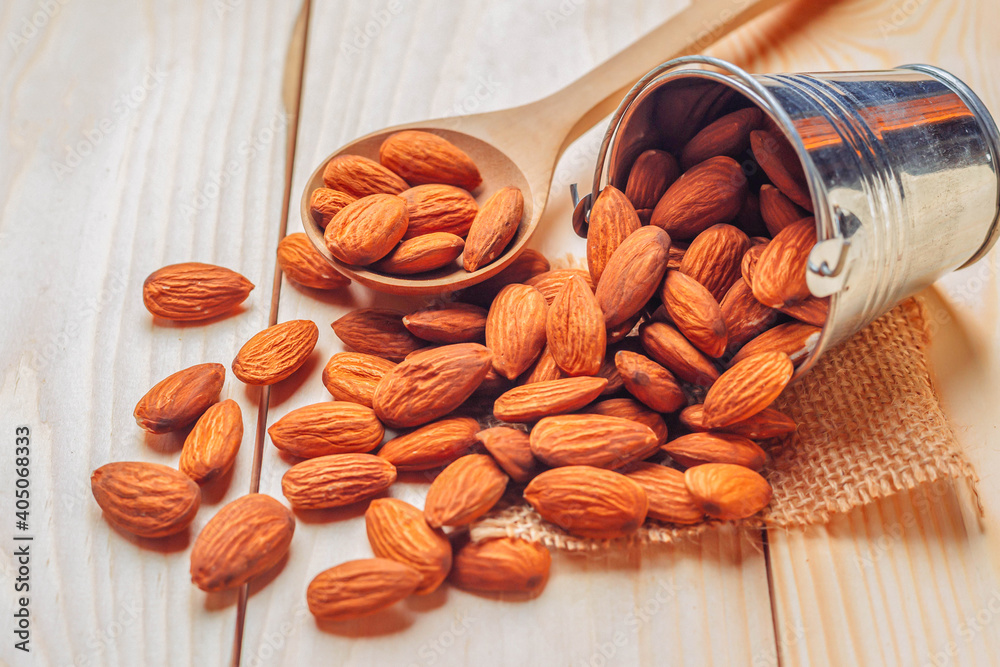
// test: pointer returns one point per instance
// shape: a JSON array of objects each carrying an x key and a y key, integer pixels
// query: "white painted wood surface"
[
  {"x": 908, "y": 581},
  {"x": 117, "y": 121}
]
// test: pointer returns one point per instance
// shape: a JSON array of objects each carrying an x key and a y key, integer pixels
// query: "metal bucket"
[{"x": 901, "y": 164}]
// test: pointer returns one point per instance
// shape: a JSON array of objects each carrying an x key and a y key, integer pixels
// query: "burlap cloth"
[{"x": 869, "y": 425}]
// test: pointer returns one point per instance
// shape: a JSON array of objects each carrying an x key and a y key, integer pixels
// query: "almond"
[
  {"x": 651, "y": 174},
  {"x": 675, "y": 256},
  {"x": 511, "y": 449},
  {"x": 325, "y": 203},
  {"x": 777, "y": 210},
  {"x": 378, "y": 332},
  {"x": 431, "y": 446},
  {"x": 748, "y": 387},
  {"x": 526, "y": 265},
  {"x": 669, "y": 347},
  {"x": 300, "y": 262},
  {"x": 779, "y": 161},
  {"x": 333, "y": 427},
  {"x": 359, "y": 588},
  {"x": 180, "y": 398},
  {"x": 748, "y": 219},
  {"x": 669, "y": 499},
  {"x": 353, "y": 376},
  {"x": 539, "y": 399},
  {"x": 768, "y": 423},
  {"x": 438, "y": 208},
  {"x": 650, "y": 382},
  {"x": 359, "y": 177},
  {"x": 811, "y": 310},
  {"x": 493, "y": 384},
  {"x": 449, "y": 323},
  {"x": 276, "y": 352},
  {"x": 543, "y": 370},
  {"x": 247, "y": 537},
  {"x": 145, "y": 499},
  {"x": 729, "y": 135},
  {"x": 685, "y": 110},
  {"x": 336, "y": 480},
  {"x": 367, "y": 230},
  {"x": 193, "y": 291},
  {"x": 398, "y": 531},
  {"x": 609, "y": 371},
  {"x": 795, "y": 339},
  {"x": 726, "y": 491},
  {"x": 588, "y": 502},
  {"x": 710, "y": 193},
  {"x": 748, "y": 265},
  {"x": 695, "y": 312},
  {"x": 550, "y": 283},
  {"x": 592, "y": 440},
  {"x": 574, "y": 328},
  {"x": 422, "y": 253},
  {"x": 620, "y": 332},
  {"x": 627, "y": 408},
  {"x": 495, "y": 225},
  {"x": 745, "y": 317},
  {"x": 779, "y": 279},
  {"x": 632, "y": 275},
  {"x": 501, "y": 565},
  {"x": 515, "y": 329},
  {"x": 612, "y": 219},
  {"x": 697, "y": 448},
  {"x": 464, "y": 491},
  {"x": 430, "y": 384},
  {"x": 713, "y": 258},
  {"x": 211, "y": 447},
  {"x": 423, "y": 157}
]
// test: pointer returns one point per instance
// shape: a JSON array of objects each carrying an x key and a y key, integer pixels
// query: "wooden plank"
[
  {"x": 705, "y": 603},
  {"x": 909, "y": 580},
  {"x": 134, "y": 140}
]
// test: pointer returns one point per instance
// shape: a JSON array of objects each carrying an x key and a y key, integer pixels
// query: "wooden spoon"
[{"x": 521, "y": 146}]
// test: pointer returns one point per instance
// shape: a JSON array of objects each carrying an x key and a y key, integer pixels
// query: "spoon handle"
[{"x": 583, "y": 103}]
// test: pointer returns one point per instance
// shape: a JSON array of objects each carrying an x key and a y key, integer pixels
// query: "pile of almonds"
[
  {"x": 637, "y": 390},
  {"x": 373, "y": 217}
]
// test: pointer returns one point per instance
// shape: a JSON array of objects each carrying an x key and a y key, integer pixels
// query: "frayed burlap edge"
[{"x": 870, "y": 426}]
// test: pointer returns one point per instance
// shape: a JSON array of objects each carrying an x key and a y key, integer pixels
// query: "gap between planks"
[{"x": 295, "y": 64}]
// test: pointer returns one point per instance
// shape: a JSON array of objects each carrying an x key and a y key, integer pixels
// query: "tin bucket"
[{"x": 901, "y": 165}]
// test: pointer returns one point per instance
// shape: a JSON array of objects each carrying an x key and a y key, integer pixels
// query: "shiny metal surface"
[{"x": 901, "y": 164}]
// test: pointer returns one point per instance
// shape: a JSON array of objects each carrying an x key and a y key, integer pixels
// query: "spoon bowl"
[{"x": 498, "y": 171}]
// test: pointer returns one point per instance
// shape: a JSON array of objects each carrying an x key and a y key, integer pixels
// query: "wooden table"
[{"x": 137, "y": 136}]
